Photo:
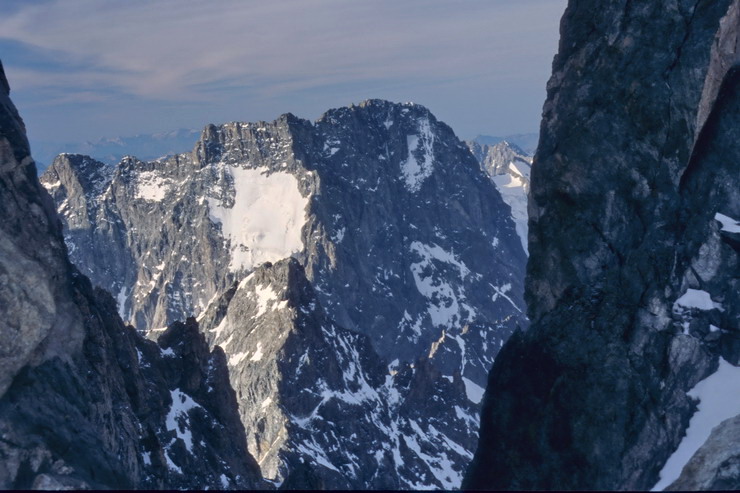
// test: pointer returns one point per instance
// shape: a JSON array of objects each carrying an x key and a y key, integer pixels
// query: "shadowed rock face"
[
  {"x": 84, "y": 400},
  {"x": 637, "y": 156}
]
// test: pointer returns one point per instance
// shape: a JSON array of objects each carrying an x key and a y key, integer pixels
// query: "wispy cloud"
[{"x": 184, "y": 50}]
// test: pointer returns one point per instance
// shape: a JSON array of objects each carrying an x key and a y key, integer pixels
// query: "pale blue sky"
[{"x": 84, "y": 69}]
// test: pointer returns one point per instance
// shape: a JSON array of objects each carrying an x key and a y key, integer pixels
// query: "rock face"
[
  {"x": 509, "y": 168},
  {"x": 85, "y": 401},
  {"x": 632, "y": 280},
  {"x": 716, "y": 465},
  {"x": 401, "y": 236},
  {"x": 322, "y": 409}
]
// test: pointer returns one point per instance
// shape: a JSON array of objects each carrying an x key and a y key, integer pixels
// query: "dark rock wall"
[{"x": 638, "y": 152}]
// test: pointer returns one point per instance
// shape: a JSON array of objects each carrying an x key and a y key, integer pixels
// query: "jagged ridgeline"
[{"x": 360, "y": 272}]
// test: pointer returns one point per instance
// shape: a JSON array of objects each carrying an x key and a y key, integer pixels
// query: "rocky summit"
[
  {"x": 85, "y": 401},
  {"x": 631, "y": 357},
  {"x": 406, "y": 279}
]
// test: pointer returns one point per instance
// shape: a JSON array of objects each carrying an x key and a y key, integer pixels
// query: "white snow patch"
[
  {"x": 264, "y": 224},
  {"x": 695, "y": 298},
  {"x": 237, "y": 358},
  {"x": 473, "y": 391},
  {"x": 514, "y": 192},
  {"x": 444, "y": 307},
  {"x": 728, "y": 224},
  {"x": 438, "y": 253},
  {"x": 168, "y": 353},
  {"x": 463, "y": 415},
  {"x": 178, "y": 419},
  {"x": 501, "y": 291},
  {"x": 151, "y": 186},
  {"x": 413, "y": 170},
  {"x": 314, "y": 451},
  {"x": 223, "y": 325},
  {"x": 227, "y": 341},
  {"x": 520, "y": 168},
  {"x": 257, "y": 354},
  {"x": 121, "y": 299},
  {"x": 224, "y": 481},
  {"x": 246, "y": 280},
  {"x": 719, "y": 399},
  {"x": 265, "y": 296},
  {"x": 440, "y": 466},
  {"x": 171, "y": 465}
]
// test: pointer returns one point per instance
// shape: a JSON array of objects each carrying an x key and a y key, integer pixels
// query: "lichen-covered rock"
[{"x": 632, "y": 279}]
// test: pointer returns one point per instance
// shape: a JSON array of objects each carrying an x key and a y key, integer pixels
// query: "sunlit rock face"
[{"x": 632, "y": 279}]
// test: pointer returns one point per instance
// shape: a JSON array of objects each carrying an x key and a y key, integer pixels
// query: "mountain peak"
[
  {"x": 375, "y": 219},
  {"x": 4, "y": 84}
]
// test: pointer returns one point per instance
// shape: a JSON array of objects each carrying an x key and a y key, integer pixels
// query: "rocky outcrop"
[
  {"x": 632, "y": 280},
  {"x": 716, "y": 465},
  {"x": 85, "y": 402},
  {"x": 399, "y": 232},
  {"x": 39, "y": 315}
]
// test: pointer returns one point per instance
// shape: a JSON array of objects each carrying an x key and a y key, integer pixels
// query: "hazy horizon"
[{"x": 81, "y": 70}]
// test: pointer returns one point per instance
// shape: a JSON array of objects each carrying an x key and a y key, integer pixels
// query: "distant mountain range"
[
  {"x": 111, "y": 150},
  {"x": 526, "y": 142}
]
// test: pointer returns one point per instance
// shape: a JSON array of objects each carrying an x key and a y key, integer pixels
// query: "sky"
[{"x": 85, "y": 69}]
